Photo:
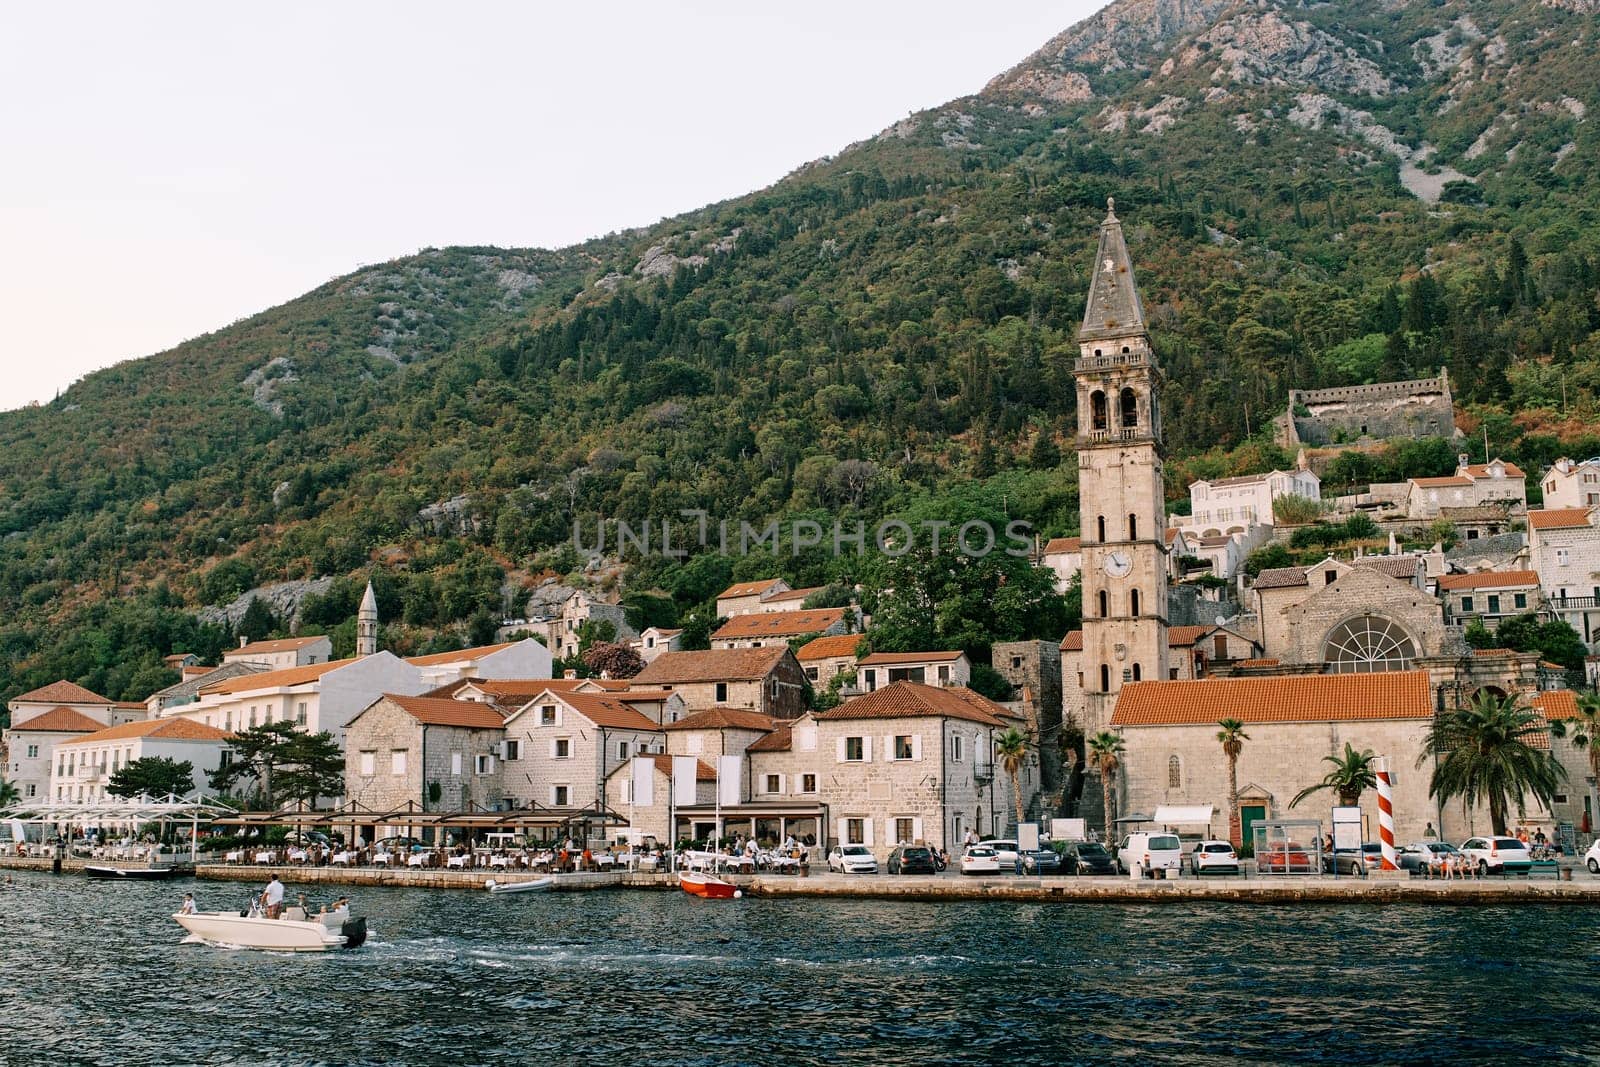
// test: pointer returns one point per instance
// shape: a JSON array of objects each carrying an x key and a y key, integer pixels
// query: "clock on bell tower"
[{"x": 1120, "y": 487}]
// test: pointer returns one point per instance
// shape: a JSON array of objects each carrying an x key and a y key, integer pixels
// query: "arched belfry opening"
[
  {"x": 1130, "y": 409},
  {"x": 1097, "y": 410}
]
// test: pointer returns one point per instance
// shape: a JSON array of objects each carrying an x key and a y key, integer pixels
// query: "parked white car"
[
  {"x": 1004, "y": 851},
  {"x": 1151, "y": 851},
  {"x": 1591, "y": 859},
  {"x": 1497, "y": 855},
  {"x": 1214, "y": 857},
  {"x": 980, "y": 859},
  {"x": 852, "y": 859}
]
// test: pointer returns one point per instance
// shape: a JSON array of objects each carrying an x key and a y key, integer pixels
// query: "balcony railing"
[
  {"x": 1101, "y": 436},
  {"x": 1112, "y": 361},
  {"x": 982, "y": 770},
  {"x": 1573, "y": 603}
]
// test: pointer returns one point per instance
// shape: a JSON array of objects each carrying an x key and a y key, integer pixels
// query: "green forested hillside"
[{"x": 1313, "y": 196}]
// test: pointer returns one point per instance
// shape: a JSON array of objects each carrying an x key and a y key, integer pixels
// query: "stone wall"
[
  {"x": 1419, "y": 408},
  {"x": 1035, "y": 667}
]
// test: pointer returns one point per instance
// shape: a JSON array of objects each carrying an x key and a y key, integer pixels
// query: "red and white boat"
[{"x": 706, "y": 885}]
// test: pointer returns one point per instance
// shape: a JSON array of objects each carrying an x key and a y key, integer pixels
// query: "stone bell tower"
[
  {"x": 1120, "y": 490},
  {"x": 367, "y": 624}
]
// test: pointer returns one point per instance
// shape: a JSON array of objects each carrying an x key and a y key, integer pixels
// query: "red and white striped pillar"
[{"x": 1385, "y": 813}]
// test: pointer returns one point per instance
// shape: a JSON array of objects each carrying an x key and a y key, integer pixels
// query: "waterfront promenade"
[{"x": 1583, "y": 889}]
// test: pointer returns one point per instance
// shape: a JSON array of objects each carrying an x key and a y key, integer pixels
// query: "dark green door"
[{"x": 1249, "y": 815}]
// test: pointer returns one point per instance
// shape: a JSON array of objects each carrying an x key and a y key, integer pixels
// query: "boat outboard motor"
[{"x": 354, "y": 932}]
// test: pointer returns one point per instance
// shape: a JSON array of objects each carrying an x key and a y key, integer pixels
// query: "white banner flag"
[
  {"x": 644, "y": 778},
  {"x": 729, "y": 772},
  {"x": 684, "y": 769}
]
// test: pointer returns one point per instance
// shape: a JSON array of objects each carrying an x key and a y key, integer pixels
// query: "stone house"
[
  {"x": 1564, "y": 544},
  {"x": 526, "y": 658},
  {"x": 926, "y": 668},
  {"x": 717, "y": 732},
  {"x": 1473, "y": 485},
  {"x": 400, "y": 747},
  {"x": 768, "y": 680},
  {"x": 1488, "y": 596},
  {"x": 561, "y": 746},
  {"x": 656, "y": 640},
  {"x": 1063, "y": 556},
  {"x": 1034, "y": 670},
  {"x": 761, "y": 629},
  {"x": 648, "y": 816},
  {"x": 1577, "y": 800},
  {"x": 1172, "y": 756},
  {"x": 763, "y": 596},
  {"x": 579, "y": 608},
  {"x": 1349, "y": 617},
  {"x": 85, "y": 765},
  {"x": 824, "y": 657},
  {"x": 283, "y": 653},
  {"x": 1571, "y": 485},
  {"x": 906, "y": 762},
  {"x": 45, "y": 717},
  {"x": 187, "y": 691}
]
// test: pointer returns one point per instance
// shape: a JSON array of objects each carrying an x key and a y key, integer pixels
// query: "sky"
[{"x": 166, "y": 169}]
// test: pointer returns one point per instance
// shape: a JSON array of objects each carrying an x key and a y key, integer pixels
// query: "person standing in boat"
[
  {"x": 188, "y": 905},
  {"x": 272, "y": 898}
]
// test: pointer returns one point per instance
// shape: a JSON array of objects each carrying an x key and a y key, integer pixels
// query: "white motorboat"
[
  {"x": 537, "y": 885},
  {"x": 297, "y": 934}
]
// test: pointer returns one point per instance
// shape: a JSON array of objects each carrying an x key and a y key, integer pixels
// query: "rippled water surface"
[{"x": 95, "y": 973}]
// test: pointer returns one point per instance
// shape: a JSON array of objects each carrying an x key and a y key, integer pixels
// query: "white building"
[
  {"x": 510, "y": 659},
  {"x": 282, "y": 653},
  {"x": 1564, "y": 544},
  {"x": 1063, "y": 556},
  {"x": 656, "y": 640},
  {"x": 1488, "y": 596},
  {"x": 44, "y": 718},
  {"x": 943, "y": 669},
  {"x": 1232, "y": 505},
  {"x": 1571, "y": 485},
  {"x": 84, "y": 766},
  {"x": 1473, "y": 485},
  {"x": 561, "y": 746}
]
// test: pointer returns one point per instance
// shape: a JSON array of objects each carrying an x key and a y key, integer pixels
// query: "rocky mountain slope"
[{"x": 1315, "y": 194}]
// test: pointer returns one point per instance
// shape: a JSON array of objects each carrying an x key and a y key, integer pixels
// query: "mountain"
[{"x": 1314, "y": 194}]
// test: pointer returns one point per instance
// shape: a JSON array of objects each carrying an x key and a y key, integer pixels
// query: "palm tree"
[
  {"x": 1583, "y": 730},
  {"x": 1486, "y": 753},
  {"x": 1105, "y": 755},
  {"x": 1011, "y": 748},
  {"x": 1352, "y": 775},
  {"x": 1233, "y": 737},
  {"x": 9, "y": 793}
]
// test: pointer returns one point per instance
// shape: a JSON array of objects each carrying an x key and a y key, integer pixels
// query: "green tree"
[
  {"x": 481, "y": 628},
  {"x": 9, "y": 793},
  {"x": 154, "y": 776},
  {"x": 1352, "y": 774},
  {"x": 258, "y": 752},
  {"x": 1293, "y": 509},
  {"x": 257, "y": 622},
  {"x": 310, "y": 766},
  {"x": 1555, "y": 640},
  {"x": 1232, "y": 737},
  {"x": 1487, "y": 754},
  {"x": 1045, "y": 454},
  {"x": 1011, "y": 749},
  {"x": 1105, "y": 755},
  {"x": 1267, "y": 557}
]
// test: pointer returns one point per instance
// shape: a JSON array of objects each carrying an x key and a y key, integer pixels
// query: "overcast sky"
[{"x": 170, "y": 168}]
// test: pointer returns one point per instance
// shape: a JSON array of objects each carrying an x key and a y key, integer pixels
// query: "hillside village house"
[
  {"x": 1062, "y": 556},
  {"x": 1577, "y": 800},
  {"x": 561, "y": 746},
  {"x": 1571, "y": 485},
  {"x": 943, "y": 669},
  {"x": 824, "y": 657},
  {"x": 526, "y": 658},
  {"x": 282, "y": 653},
  {"x": 760, "y": 629},
  {"x": 1564, "y": 545},
  {"x": 656, "y": 640},
  {"x": 1231, "y": 505},
  {"x": 85, "y": 765},
  {"x": 1473, "y": 485},
  {"x": 762, "y": 596},
  {"x": 768, "y": 680},
  {"x": 195, "y": 679},
  {"x": 1489, "y": 596},
  {"x": 400, "y": 747},
  {"x": 1172, "y": 756},
  {"x": 44, "y": 718},
  {"x": 562, "y": 633},
  {"x": 717, "y": 732}
]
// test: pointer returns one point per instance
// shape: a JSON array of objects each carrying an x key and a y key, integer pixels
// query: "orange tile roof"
[
  {"x": 1264, "y": 662},
  {"x": 62, "y": 692},
  {"x": 1177, "y": 637},
  {"x": 835, "y": 646},
  {"x": 1280, "y": 578},
  {"x": 1488, "y": 580},
  {"x": 778, "y": 624},
  {"x": 1065, "y": 545},
  {"x": 1171, "y": 535},
  {"x": 702, "y": 770},
  {"x": 165, "y": 729},
  {"x": 748, "y": 588},
  {"x": 711, "y": 665},
  {"x": 1449, "y": 481},
  {"x": 909, "y": 700},
  {"x": 603, "y": 709},
  {"x": 1558, "y": 518},
  {"x": 283, "y": 644},
  {"x": 640, "y": 696},
  {"x": 60, "y": 721},
  {"x": 461, "y": 655},
  {"x": 878, "y": 658},
  {"x": 719, "y": 718},
  {"x": 434, "y": 711},
  {"x": 795, "y": 594},
  {"x": 1556, "y": 704},
  {"x": 1291, "y": 698},
  {"x": 781, "y": 739},
  {"x": 247, "y": 683},
  {"x": 1481, "y": 470},
  {"x": 1073, "y": 642}
]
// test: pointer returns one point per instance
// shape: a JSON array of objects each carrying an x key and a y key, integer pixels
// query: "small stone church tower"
[
  {"x": 367, "y": 624},
  {"x": 1120, "y": 486}
]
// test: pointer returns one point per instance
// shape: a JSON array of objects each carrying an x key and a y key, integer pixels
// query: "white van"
[{"x": 1151, "y": 851}]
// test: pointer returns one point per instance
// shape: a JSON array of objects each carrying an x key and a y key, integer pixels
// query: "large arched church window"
[{"x": 1368, "y": 643}]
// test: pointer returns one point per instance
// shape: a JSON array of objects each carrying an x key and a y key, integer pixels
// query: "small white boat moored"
[
  {"x": 319, "y": 934},
  {"x": 537, "y": 885}
]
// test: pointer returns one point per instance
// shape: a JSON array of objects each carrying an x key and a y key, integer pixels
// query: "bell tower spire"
[
  {"x": 367, "y": 624},
  {"x": 1122, "y": 500}
]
